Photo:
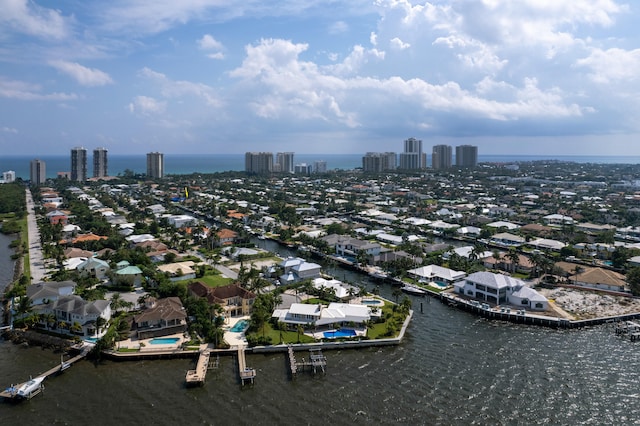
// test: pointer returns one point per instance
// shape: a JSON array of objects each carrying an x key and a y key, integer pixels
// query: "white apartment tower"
[
  {"x": 413, "y": 158},
  {"x": 155, "y": 165},
  {"x": 284, "y": 162},
  {"x": 78, "y": 164},
  {"x": 100, "y": 163}
]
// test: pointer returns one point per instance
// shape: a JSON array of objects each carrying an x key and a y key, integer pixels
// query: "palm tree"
[
  {"x": 497, "y": 257},
  {"x": 117, "y": 303},
  {"x": 514, "y": 257},
  {"x": 577, "y": 270},
  {"x": 24, "y": 307},
  {"x": 75, "y": 328},
  {"x": 300, "y": 330},
  {"x": 396, "y": 294}
]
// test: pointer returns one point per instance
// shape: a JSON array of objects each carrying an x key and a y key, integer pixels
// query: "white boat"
[
  {"x": 411, "y": 289},
  {"x": 31, "y": 388}
]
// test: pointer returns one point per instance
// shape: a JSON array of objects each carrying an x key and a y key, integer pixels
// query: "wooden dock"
[
  {"x": 10, "y": 393},
  {"x": 316, "y": 360},
  {"x": 630, "y": 329},
  {"x": 245, "y": 372},
  {"x": 198, "y": 376}
]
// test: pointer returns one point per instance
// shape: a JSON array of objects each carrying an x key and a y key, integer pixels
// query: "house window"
[
  {"x": 539, "y": 305},
  {"x": 524, "y": 302}
]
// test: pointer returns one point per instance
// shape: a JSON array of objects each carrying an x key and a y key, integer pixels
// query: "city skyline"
[{"x": 521, "y": 78}]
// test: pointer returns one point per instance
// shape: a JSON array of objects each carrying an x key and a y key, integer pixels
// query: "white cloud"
[
  {"x": 338, "y": 27},
  {"x": 146, "y": 105},
  {"x": 29, "y": 18},
  {"x": 180, "y": 88},
  {"x": 396, "y": 43},
  {"x": 207, "y": 42},
  {"x": 83, "y": 75},
  {"x": 373, "y": 38},
  {"x": 9, "y": 130},
  {"x": 14, "y": 89},
  {"x": 612, "y": 65}
]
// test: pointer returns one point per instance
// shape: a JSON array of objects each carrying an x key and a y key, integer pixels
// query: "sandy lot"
[{"x": 584, "y": 304}]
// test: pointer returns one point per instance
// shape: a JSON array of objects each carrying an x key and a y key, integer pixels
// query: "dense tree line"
[{"x": 12, "y": 199}]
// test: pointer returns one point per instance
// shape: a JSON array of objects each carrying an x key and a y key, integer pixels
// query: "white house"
[
  {"x": 181, "y": 220},
  {"x": 336, "y": 314},
  {"x": 341, "y": 289},
  {"x": 437, "y": 273},
  {"x": 297, "y": 269},
  {"x": 501, "y": 289}
]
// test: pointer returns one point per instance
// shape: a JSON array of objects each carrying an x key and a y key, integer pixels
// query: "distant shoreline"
[{"x": 183, "y": 164}]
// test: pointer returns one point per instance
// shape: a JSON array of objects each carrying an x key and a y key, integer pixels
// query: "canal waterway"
[{"x": 452, "y": 369}]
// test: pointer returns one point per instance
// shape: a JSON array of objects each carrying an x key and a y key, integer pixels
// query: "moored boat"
[{"x": 414, "y": 290}]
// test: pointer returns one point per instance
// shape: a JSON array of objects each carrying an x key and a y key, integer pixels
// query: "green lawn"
[
  {"x": 211, "y": 280},
  {"x": 24, "y": 237},
  {"x": 287, "y": 336}
]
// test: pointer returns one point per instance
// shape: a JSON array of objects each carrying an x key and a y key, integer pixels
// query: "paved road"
[{"x": 36, "y": 259}]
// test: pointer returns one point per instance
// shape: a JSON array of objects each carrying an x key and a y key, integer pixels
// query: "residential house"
[
  {"x": 161, "y": 317},
  {"x": 57, "y": 217},
  {"x": 594, "y": 278},
  {"x": 127, "y": 274},
  {"x": 499, "y": 289},
  {"x": 179, "y": 271},
  {"x": 296, "y": 269},
  {"x": 341, "y": 290},
  {"x": 94, "y": 267},
  {"x": 335, "y": 315},
  {"x": 234, "y": 299},
  {"x": 508, "y": 240},
  {"x": 226, "y": 237},
  {"x": 71, "y": 310},
  {"x": 438, "y": 274},
  {"x": 46, "y": 292}
]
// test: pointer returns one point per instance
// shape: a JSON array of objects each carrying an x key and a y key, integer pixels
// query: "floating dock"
[
  {"x": 316, "y": 360},
  {"x": 245, "y": 372}
]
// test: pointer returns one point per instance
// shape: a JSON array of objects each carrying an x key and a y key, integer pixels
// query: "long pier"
[
  {"x": 198, "y": 376},
  {"x": 246, "y": 373},
  {"x": 11, "y": 392}
]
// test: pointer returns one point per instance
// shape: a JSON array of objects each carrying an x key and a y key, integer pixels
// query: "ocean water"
[{"x": 214, "y": 163}]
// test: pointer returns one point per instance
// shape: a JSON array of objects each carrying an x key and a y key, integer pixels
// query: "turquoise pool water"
[
  {"x": 240, "y": 326},
  {"x": 164, "y": 340},
  {"x": 90, "y": 339},
  {"x": 372, "y": 302},
  {"x": 343, "y": 332}
]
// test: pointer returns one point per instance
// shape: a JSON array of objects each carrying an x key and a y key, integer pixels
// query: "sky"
[{"x": 529, "y": 77}]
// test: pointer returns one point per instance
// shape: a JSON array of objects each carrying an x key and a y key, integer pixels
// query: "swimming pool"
[
  {"x": 343, "y": 332},
  {"x": 164, "y": 340},
  {"x": 372, "y": 302},
  {"x": 240, "y": 326}
]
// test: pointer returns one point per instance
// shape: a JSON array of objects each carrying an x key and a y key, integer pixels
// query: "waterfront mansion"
[{"x": 501, "y": 289}]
